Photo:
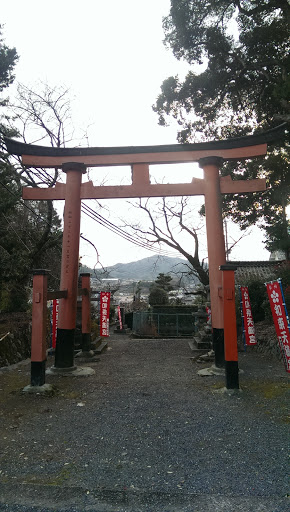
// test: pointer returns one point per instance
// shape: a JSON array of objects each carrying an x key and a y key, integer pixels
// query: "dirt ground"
[{"x": 146, "y": 433}]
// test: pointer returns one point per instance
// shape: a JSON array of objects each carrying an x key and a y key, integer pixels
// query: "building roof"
[{"x": 261, "y": 270}]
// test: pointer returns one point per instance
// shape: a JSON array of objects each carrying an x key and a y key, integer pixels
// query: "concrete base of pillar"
[
  {"x": 209, "y": 372},
  {"x": 37, "y": 373},
  {"x": 71, "y": 372},
  {"x": 87, "y": 356},
  {"x": 46, "y": 389},
  {"x": 85, "y": 353}
]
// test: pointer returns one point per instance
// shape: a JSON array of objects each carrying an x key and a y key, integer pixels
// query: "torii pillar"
[
  {"x": 216, "y": 250},
  {"x": 64, "y": 352}
]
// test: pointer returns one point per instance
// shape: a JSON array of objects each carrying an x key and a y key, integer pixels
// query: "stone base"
[
  {"x": 209, "y": 372},
  {"x": 45, "y": 389},
  {"x": 71, "y": 372},
  {"x": 87, "y": 356},
  {"x": 214, "y": 370}
]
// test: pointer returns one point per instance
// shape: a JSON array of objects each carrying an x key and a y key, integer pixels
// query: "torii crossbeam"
[{"x": 74, "y": 162}]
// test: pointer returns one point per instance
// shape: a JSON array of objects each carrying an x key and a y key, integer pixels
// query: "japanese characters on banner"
[
  {"x": 280, "y": 319},
  {"x": 55, "y": 306},
  {"x": 248, "y": 322},
  {"x": 104, "y": 313},
  {"x": 120, "y": 318}
]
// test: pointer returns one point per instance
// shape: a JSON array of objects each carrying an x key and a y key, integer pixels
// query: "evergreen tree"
[
  {"x": 159, "y": 290},
  {"x": 164, "y": 281},
  {"x": 241, "y": 87}
]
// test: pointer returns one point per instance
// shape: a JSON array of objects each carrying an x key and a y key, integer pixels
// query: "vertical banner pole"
[{"x": 284, "y": 304}]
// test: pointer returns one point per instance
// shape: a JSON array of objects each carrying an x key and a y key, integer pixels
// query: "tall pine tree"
[{"x": 238, "y": 83}]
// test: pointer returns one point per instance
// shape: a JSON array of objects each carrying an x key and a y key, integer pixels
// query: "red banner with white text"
[
  {"x": 280, "y": 320},
  {"x": 55, "y": 306},
  {"x": 120, "y": 318},
  {"x": 249, "y": 328},
  {"x": 105, "y": 298}
]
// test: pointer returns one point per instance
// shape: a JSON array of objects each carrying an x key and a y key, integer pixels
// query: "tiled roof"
[{"x": 261, "y": 270}]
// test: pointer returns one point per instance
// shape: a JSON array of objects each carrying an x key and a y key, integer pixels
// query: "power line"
[
  {"x": 120, "y": 232},
  {"x": 101, "y": 220}
]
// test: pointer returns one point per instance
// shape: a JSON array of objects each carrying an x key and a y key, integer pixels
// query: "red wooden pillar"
[
  {"x": 230, "y": 327},
  {"x": 216, "y": 250},
  {"x": 86, "y": 312},
  {"x": 64, "y": 352},
  {"x": 39, "y": 327}
]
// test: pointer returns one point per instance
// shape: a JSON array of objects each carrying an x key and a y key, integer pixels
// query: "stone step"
[
  {"x": 193, "y": 348},
  {"x": 101, "y": 347},
  {"x": 202, "y": 343}
]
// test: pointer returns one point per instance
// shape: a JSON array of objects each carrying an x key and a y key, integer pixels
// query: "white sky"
[{"x": 111, "y": 56}]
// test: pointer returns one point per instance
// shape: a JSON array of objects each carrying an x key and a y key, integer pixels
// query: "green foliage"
[
  {"x": 159, "y": 290},
  {"x": 8, "y": 59},
  {"x": 157, "y": 295},
  {"x": 164, "y": 281},
  {"x": 246, "y": 53},
  {"x": 242, "y": 87},
  {"x": 268, "y": 208},
  {"x": 26, "y": 243}
]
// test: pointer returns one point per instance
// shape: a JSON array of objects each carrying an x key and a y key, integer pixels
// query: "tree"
[
  {"x": 164, "y": 281},
  {"x": 31, "y": 230},
  {"x": 242, "y": 86},
  {"x": 158, "y": 296},
  {"x": 43, "y": 116},
  {"x": 159, "y": 290},
  {"x": 169, "y": 223},
  {"x": 8, "y": 59}
]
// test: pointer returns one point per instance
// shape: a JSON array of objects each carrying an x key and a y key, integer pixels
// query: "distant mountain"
[{"x": 146, "y": 269}]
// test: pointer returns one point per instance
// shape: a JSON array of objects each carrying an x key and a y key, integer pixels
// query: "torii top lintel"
[
  {"x": 140, "y": 157},
  {"x": 231, "y": 149}
]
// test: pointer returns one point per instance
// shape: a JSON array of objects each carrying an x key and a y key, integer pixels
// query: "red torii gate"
[{"x": 74, "y": 161}]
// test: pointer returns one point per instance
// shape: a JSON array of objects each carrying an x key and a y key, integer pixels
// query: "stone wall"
[{"x": 15, "y": 338}]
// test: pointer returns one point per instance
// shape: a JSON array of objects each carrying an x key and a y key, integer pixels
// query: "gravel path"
[{"x": 146, "y": 433}]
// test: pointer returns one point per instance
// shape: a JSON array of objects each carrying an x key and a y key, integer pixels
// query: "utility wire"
[
  {"x": 101, "y": 220},
  {"x": 120, "y": 232}
]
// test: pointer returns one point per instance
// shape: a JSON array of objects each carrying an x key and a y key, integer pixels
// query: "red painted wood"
[
  {"x": 215, "y": 237},
  {"x": 39, "y": 318},
  {"x": 70, "y": 247},
  {"x": 86, "y": 305}
]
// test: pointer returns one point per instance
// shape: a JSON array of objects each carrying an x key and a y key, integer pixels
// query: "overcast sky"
[{"x": 111, "y": 56}]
